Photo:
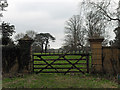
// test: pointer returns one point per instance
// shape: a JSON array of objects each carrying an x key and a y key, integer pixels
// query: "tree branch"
[{"x": 106, "y": 14}]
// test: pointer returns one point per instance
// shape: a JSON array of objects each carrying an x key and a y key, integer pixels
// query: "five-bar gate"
[{"x": 60, "y": 63}]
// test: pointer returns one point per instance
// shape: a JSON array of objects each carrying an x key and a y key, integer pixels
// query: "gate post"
[
  {"x": 25, "y": 53},
  {"x": 96, "y": 49}
]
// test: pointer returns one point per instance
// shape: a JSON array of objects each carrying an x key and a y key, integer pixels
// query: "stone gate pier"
[{"x": 96, "y": 50}]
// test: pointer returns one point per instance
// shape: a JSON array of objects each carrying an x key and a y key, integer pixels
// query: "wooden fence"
[{"x": 60, "y": 63}]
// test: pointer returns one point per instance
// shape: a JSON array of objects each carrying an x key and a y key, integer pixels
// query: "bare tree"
[
  {"x": 105, "y": 8},
  {"x": 111, "y": 15},
  {"x": 19, "y": 36},
  {"x": 74, "y": 33},
  {"x": 95, "y": 24},
  {"x": 95, "y": 21},
  {"x": 30, "y": 33}
]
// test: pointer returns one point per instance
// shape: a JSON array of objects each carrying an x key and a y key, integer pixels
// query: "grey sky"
[{"x": 41, "y": 16}]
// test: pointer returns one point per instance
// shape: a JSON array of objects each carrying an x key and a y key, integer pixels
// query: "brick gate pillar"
[{"x": 96, "y": 50}]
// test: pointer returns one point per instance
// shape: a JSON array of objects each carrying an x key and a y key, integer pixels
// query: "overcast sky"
[{"x": 41, "y": 16}]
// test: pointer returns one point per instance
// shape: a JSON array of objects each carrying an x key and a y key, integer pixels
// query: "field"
[{"x": 58, "y": 81}]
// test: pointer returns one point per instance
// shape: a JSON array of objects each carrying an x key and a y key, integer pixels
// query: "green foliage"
[
  {"x": 7, "y": 31},
  {"x": 44, "y": 39},
  {"x": 9, "y": 54},
  {"x": 116, "y": 41},
  {"x": 118, "y": 86},
  {"x": 23, "y": 58}
]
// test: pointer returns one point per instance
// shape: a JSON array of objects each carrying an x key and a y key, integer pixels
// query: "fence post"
[
  {"x": 88, "y": 63},
  {"x": 32, "y": 64},
  {"x": 118, "y": 69},
  {"x": 96, "y": 49}
]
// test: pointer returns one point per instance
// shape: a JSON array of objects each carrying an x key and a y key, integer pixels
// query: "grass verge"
[{"x": 58, "y": 81}]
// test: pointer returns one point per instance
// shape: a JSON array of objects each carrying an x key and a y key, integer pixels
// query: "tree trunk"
[
  {"x": 46, "y": 45},
  {"x": 42, "y": 48}
]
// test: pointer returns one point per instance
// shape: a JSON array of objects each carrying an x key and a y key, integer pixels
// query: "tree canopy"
[
  {"x": 44, "y": 39},
  {"x": 74, "y": 33},
  {"x": 7, "y": 31}
]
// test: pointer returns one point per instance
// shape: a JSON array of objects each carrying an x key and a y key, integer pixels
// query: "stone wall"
[
  {"x": 111, "y": 57},
  {"x": 104, "y": 59}
]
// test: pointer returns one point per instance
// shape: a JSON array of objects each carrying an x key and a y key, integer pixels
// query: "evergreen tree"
[{"x": 7, "y": 31}]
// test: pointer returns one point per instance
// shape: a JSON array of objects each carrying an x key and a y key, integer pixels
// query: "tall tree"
[
  {"x": 117, "y": 30},
  {"x": 39, "y": 40},
  {"x": 74, "y": 33},
  {"x": 31, "y": 33},
  {"x": 95, "y": 24},
  {"x": 44, "y": 39},
  {"x": 95, "y": 21},
  {"x": 106, "y": 8},
  {"x": 7, "y": 31},
  {"x": 3, "y": 5}
]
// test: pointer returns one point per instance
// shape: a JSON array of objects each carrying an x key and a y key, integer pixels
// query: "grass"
[
  {"x": 58, "y": 81},
  {"x": 0, "y": 84}
]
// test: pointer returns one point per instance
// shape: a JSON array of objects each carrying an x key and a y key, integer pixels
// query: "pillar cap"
[
  {"x": 96, "y": 38},
  {"x": 26, "y": 38}
]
